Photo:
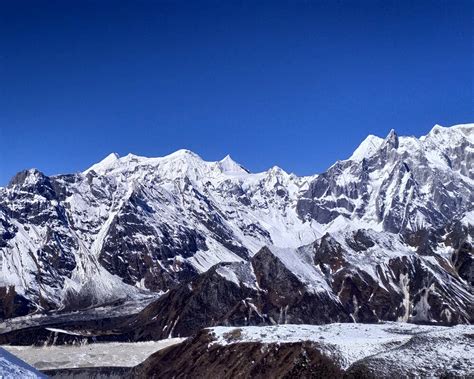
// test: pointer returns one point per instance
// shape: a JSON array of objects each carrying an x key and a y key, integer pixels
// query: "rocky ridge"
[{"x": 307, "y": 351}]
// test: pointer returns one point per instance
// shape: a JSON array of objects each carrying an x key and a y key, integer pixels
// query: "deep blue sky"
[{"x": 298, "y": 84}]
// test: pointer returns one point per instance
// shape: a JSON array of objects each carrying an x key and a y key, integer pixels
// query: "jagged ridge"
[{"x": 132, "y": 224}]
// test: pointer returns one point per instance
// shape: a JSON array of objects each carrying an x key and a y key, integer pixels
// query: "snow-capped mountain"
[
  {"x": 397, "y": 184},
  {"x": 128, "y": 225}
]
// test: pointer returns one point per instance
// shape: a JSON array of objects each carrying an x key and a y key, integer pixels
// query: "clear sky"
[{"x": 296, "y": 84}]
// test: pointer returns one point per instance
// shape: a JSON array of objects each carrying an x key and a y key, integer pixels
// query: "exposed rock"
[
  {"x": 378, "y": 279},
  {"x": 199, "y": 358}
]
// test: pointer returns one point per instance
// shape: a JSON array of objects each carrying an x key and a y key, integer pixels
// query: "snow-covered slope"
[
  {"x": 387, "y": 344},
  {"x": 397, "y": 184},
  {"x": 12, "y": 367},
  {"x": 131, "y": 224}
]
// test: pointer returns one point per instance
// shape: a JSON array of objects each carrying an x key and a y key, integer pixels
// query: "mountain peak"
[
  {"x": 27, "y": 177},
  {"x": 391, "y": 139},
  {"x": 227, "y": 158},
  {"x": 455, "y": 131},
  {"x": 367, "y": 148},
  {"x": 113, "y": 156},
  {"x": 104, "y": 163},
  {"x": 183, "y": 153},
  {"x": 229, "y": 166}
]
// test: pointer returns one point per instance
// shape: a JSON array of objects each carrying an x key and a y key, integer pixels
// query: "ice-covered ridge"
[
  {"x": 108, "y": 161},
  {"x": 437, "y": 139},
  {"x": 185, "y": 162},
  {"x": 466, "y": 129},
  {"x": 349, "y": 343},
  {"x": 179, "y": 161},
  {"x": 367, "y": 148},
  {"x": 229, "y": 166}
]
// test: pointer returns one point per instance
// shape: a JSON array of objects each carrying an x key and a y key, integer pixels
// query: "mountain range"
[{"x": 386, "y": 234}]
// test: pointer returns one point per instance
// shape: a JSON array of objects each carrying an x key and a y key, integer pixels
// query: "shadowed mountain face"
[
  {"x": 384, "y": 235},
  {"x": 358, "y": 276}
]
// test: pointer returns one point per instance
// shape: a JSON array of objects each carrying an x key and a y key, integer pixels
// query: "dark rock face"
[
  {"x": 7, "y": 230},
  {"x": 285, "y": 299},
  {"x": 134, "y": 251},
  {"x": 459, "y": 237},
  {"x": 463, "y": 260},
  {"x": 368, "y": 280},
  {"x": 12, "y": 304},
  {"x": 29, "y": 206},
  {"x": 402, "y": 288},
  {"x": 208, "y": 300},
  {"x": 198, "y": 358},
  {"x": 267, "y": 293}
]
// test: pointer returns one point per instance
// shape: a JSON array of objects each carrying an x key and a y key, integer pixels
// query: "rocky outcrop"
[
  {"x": 199, "y": 358},
  {"x": 13, "y": 304}
]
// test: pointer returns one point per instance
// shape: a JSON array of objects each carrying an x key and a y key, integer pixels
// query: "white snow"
[
  {"x": 108, "y": 161},
  {"x": 367, "y": 148},
  {"x": 349, "y": 343},
  {"x": 444, "y": 348},
  {"x": 228, "y": 274},
  {"x": 299, "y": 262},
  {"x": 229, "y": 166},
  {"x": 240, "y": 274},
  {"x": 468, "y": 219},
  {"x": 11, "y": 367},
  {"x": 56, "y": 330},
  {"x": 204, "y": 260}
]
